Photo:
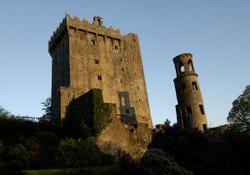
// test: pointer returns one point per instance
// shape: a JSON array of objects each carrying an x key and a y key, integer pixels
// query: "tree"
[
  {"x": 239, "y": 115},
  {"x": 3, "y": 112},
  {"x": 47, "y": 111},
  {"x": 47, "y": 106}
]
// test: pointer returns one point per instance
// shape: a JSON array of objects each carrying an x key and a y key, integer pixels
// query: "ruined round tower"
[{"x": 190, "y": 109}]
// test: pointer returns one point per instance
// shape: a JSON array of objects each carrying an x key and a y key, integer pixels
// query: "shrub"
[
  {"x": 67, "y": 154},
  {"x": 80, "y": 153},
  {"x": 17, "y": 157},
  {"x": 157, "y": 162}
]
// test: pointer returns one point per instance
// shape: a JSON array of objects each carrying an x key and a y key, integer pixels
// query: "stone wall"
[{"x": 119, "y": 137}]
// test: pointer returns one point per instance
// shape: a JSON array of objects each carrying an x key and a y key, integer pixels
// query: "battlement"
[
  {"x": 56, "y": 34},
  {"x": 84, "y": 25}
]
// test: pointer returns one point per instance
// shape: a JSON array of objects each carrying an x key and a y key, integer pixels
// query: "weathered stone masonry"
[
  {"x": 190, "y": 109},
  {"x": 89, "y": 56}
]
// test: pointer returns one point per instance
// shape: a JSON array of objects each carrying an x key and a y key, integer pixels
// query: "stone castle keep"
[
  {"x": 88, "y": 56},
  {"x": 190, "y": 109}
]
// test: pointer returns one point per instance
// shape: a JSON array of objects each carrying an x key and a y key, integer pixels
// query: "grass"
[{"x": 102, "y": 170}]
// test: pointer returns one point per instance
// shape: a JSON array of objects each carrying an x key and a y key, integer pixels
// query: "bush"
[
  {"x": 80, "y": 153},
  {"x": 201, "y": 153},
  {"x": 67, "y": 154},
  {"x": 157, "y": 162},
  {"x": 17, "y": 157}
]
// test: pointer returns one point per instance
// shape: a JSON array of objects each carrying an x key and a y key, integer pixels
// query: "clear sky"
[{"x": 217, "y": 33}]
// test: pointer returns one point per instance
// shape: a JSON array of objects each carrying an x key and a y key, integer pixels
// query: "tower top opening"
[{"x": 98, "y": 20}]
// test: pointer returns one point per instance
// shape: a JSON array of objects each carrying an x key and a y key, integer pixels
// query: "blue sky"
[{"x": 217, "y": 33}]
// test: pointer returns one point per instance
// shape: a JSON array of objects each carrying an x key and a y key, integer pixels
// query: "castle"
[{"x": 88, "y": 56}]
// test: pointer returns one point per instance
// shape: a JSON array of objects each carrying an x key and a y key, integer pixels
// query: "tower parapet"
[
  {"x": 190, "y": 108},
  {"x": 84, "y": 25}
]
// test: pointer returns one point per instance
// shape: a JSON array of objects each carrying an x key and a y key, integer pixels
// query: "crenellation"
[
  {"x": 56, "y": 34},
  {"x": 92, "y": 27},
  {"x": 83, "y": 26}
]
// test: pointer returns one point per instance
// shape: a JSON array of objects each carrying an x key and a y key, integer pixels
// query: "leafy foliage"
[
  {"x": 201, "y": 153},
  {"x": 38, "y": 141},
  {"x": 67, "y": 154},
  {"x": 47, "y": 106},
  {"x": 101, "y": 112},
  {"x": 11, "y": 128},
  {"x": 27, "y": 144},
  {"x": 87, "y": 115},
  {"x": 159, "y": 163},
  {"x": 80, "y": 153},
  {"x": 3, "y": 112},
  {"x": 17, "y": 157},
  {"x": 239, "y": 115}
]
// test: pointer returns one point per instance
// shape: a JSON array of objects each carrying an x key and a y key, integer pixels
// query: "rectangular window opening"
[
  {"x": 189, "y": 110},
  {"x": 201, "y": 109},
  {"x": 96, "y": 61},
  {"x": 99, "y": 77},
  {"x": 194, "y": 85},
  {"x": 127, "y": 111},
  {"x": 204, "y": 127},
  {"x": 184, "y": 87}
]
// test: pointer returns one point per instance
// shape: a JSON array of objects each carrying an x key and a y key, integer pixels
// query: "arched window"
[{"x": 182, "y": 68}]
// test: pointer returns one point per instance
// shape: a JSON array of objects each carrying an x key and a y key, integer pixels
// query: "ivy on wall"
[
  {"x": 101, "y": 112},
  {"x": 87, "y": 115}
]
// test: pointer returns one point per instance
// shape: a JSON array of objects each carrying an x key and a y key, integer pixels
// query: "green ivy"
[
  {"x": 101, "y": 112},
  {"x": 87, "y": 115}
]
